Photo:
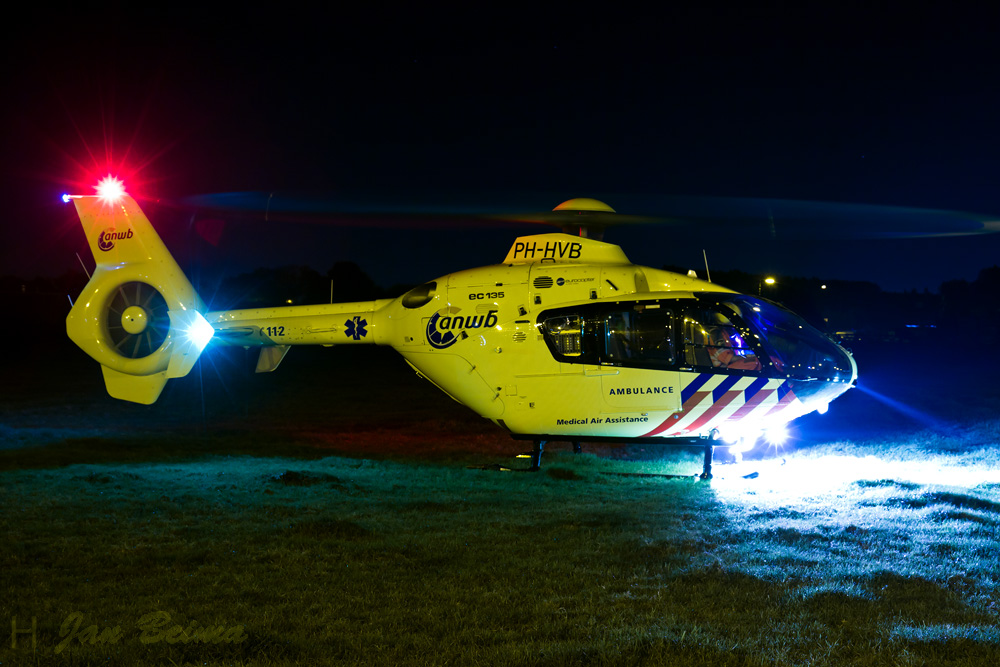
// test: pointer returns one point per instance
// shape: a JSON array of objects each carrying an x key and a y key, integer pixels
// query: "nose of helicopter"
[{"x": 816, "y": 395}]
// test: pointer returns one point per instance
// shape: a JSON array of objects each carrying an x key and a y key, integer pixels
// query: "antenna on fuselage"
[{"x": 708, "y": 274}]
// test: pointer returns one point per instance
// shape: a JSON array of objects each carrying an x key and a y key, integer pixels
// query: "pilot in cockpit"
[{"x": 724, "y": 352}]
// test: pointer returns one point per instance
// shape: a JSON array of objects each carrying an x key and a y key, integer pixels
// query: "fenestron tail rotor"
[{"x": 137, "y": 320}]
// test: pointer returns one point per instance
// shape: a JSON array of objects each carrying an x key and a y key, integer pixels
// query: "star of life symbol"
[{"x": 356, "y": 328}]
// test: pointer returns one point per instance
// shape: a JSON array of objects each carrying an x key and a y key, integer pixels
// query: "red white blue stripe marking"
[{"x": 710, "y": 400}]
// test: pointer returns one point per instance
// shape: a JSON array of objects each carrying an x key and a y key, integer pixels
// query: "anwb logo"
[
  {"x": 106, "y": 241},
  {"x": 445, "y": 326}
]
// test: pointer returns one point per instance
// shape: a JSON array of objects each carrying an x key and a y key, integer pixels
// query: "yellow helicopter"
[{"x": 563, "y": 340}]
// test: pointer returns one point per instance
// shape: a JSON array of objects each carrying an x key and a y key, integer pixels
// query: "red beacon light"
[{"x": 110, "y": 189}]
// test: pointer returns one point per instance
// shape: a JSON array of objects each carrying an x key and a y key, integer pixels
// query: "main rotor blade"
[
  {"x": 788, "y": 219},
  {"x": 751, "y": 218},
  {"x": 400, "y": 210}
]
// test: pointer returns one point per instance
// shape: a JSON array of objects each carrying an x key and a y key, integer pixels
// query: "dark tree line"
[
  {"x": 865, "y": 311},
  {"x": 299, "y": 285},
  {"x": 973, "y": 308}
]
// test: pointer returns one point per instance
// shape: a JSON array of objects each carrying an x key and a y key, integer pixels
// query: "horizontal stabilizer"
[
  {"x": 270, "y": 357},
  {"x": 143, "y": 389}
]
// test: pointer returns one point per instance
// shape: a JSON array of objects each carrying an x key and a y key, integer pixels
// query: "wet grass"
[{"x": 307, "y": 561}]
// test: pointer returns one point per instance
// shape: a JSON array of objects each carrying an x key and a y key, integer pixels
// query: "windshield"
[
  {"x": 796, "y": 349},
  {"x": 731, "y": 333}
]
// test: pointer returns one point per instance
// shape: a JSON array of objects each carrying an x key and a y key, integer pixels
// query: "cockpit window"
[
  {"x": 712, "y": 340},
  {"x": 796, "y": 349},
  {"x": 639, "y": 335},
  {"x": 565, "y": 334},
  {"x": 720, "y": 334}
]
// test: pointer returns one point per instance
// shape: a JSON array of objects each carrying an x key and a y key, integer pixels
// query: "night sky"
[{"x": 508, "y": 110}]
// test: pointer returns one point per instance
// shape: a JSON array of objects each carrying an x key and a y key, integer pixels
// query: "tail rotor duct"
[{"x": 137, "y": 321}]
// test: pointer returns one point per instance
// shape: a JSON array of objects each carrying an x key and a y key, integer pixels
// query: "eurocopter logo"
[
  {"x": 106, "y": 241},
  {"x": 356, "y": 328},
  {"x": 446, "y": 325}
]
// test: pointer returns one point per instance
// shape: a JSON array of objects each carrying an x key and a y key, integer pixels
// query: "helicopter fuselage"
[{"x": 566, "y": 339}]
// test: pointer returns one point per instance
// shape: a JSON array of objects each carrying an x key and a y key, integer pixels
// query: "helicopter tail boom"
[{"x": 322, "y": 324}]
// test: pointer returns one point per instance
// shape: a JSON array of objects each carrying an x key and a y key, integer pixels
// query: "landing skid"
[{"x": 535, "y": 456}]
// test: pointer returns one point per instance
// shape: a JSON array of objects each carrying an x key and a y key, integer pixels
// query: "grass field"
[{"x": 326, "y": 514}]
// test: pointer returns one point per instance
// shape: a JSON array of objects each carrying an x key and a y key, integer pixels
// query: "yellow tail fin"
[{"x": 139, "y": 316}]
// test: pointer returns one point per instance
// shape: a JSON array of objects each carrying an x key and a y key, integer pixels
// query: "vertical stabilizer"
[{"x": 139, "y": 316}]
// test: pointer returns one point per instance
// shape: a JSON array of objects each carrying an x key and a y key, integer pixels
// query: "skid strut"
[
  {"x": 536, "y": 454},
  {"x": 535, "y": 457},
  {"x": 706, "y": 471},
  {"x": 539, "y": 448}
]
